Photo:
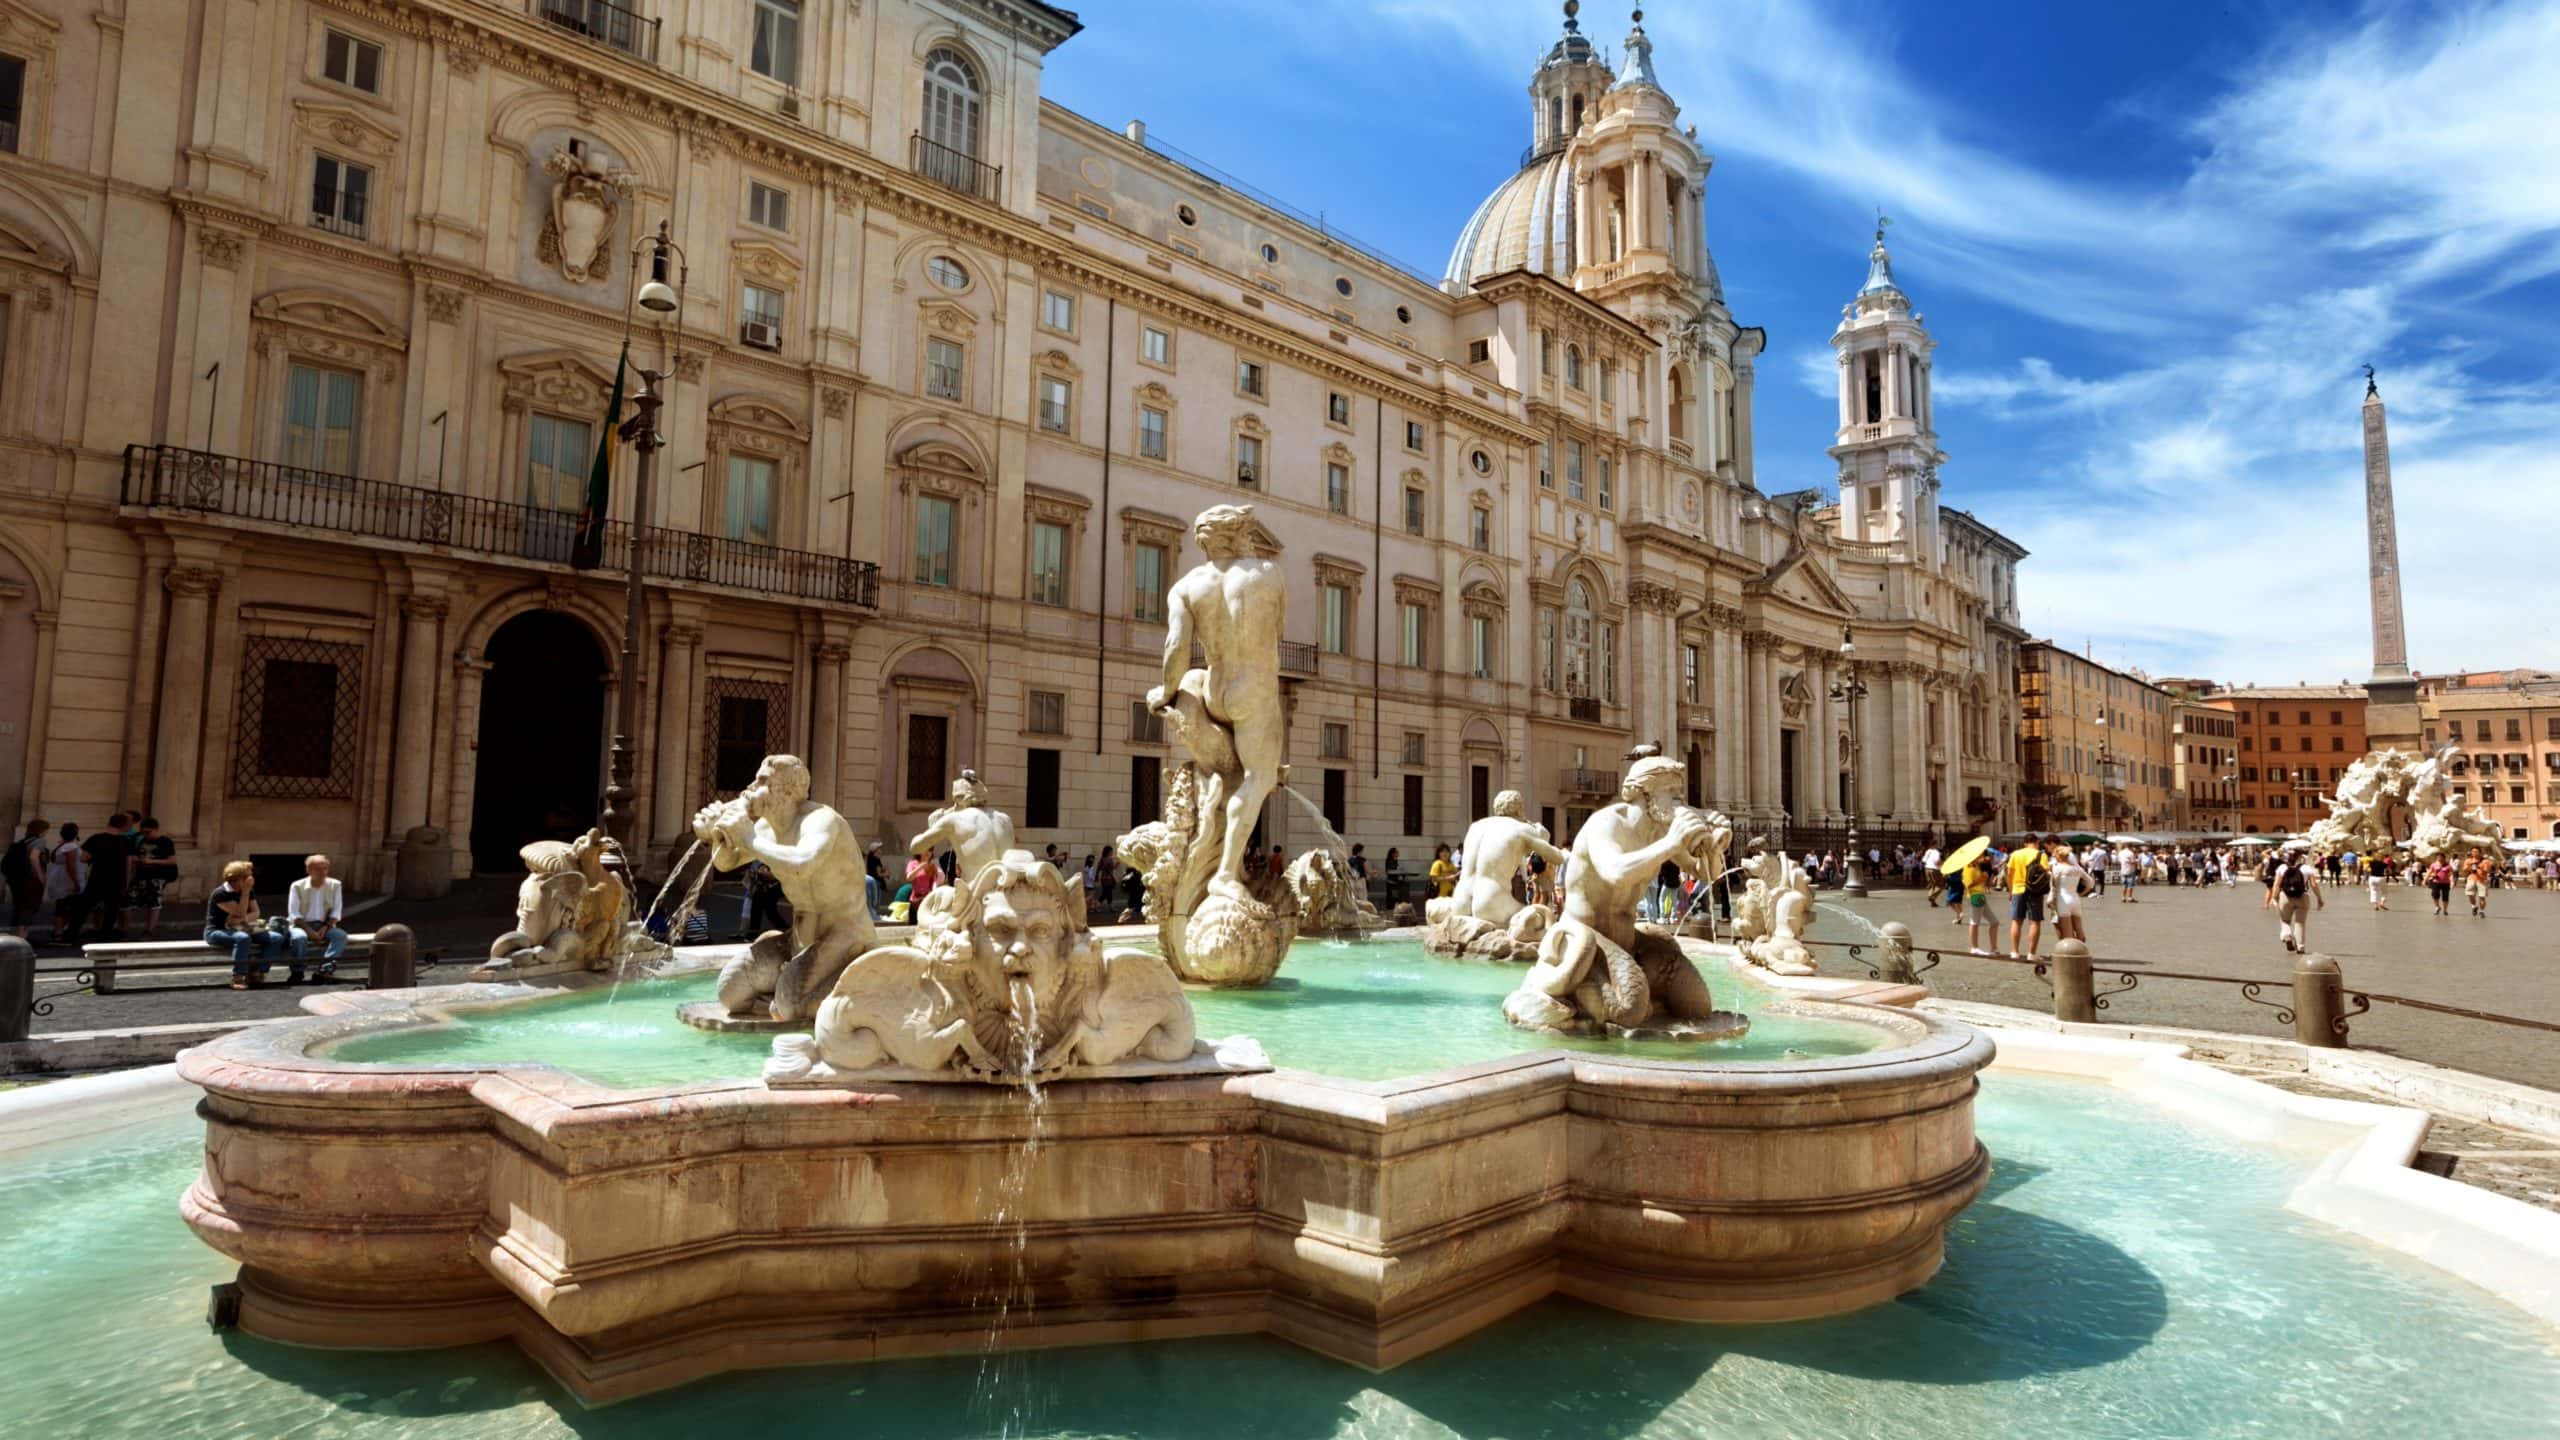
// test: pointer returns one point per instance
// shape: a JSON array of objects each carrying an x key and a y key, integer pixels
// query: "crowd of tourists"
[{"x": 105, "y": 885}]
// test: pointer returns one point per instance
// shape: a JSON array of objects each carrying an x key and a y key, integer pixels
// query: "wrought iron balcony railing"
[
  {"x": 955, "y": 169},
  {"x": 1297, "y": 657},
  {"x": 604, "y": 22},
  {"x": 167, "y": 477},
  {"x": 1591, "y": 782}
]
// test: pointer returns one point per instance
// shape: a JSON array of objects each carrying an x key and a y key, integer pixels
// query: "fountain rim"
[{"x": 285, "y": 1057}]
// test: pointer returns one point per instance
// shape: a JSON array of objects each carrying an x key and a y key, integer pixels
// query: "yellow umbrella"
[{"x": 1965, "y": 854}]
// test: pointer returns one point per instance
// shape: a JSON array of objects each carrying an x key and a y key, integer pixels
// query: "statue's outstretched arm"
[{"x": 820, "y": 831}]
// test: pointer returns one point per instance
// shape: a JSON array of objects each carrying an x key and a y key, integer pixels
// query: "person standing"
[
  {"x": 2440, "y": 884},
  {"x": 23, "y": 870},
  {"x": 66, "y": 883},
  {"x": 2475, "y": 886},
  {"x": 874, "y": 879},
  {"x": 2070, "y": 882},
  {"x": 1395, "y": 878},
  {"x": 2373, "y": 883},
  {"x": 2293, "y": 889},
  {"x": 1930, "y": 860},
  {"x": 110, "y": 874},
  {"x": 2030, "y": 880},
  {"x": 2127, "y": 872},
  {"x": 231, "y": 923},
  {"x": 1444, "y": 873},
  {"x": 1977, "y": 878},
  {"x": 155, "y": 864},
  {"x": 315, "y": 906}
]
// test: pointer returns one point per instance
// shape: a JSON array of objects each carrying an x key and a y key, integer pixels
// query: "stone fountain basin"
[{"x": 630, "y": 1240}]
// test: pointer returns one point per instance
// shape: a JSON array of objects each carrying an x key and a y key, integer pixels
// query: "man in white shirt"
[
  {"x": 316, "y": 905},
  {"x": 1930, "y": 859}
]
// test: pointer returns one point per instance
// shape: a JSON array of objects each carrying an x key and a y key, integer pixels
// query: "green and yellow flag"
[{"x": 586, "y": 551}]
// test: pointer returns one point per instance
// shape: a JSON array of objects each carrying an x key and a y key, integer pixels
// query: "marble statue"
[
  {"x": 2377, "y": 791},
  {"x": 569, "y": 910},
  {"x": 1008, "y": 986},
  {"x": 585, "y": 198},
  {"x": 812, "y": 851},
  {"x": 1597, "y": 970},
  {"x": 971, "y": 827},
  {"x": 1226, "y": 716},
  {"x": 1480, "y": 917},
  {"x": 1329, "y": 896},
  {"x": 1893, "y": 954},
  {"x": 1774, "y": 913}
]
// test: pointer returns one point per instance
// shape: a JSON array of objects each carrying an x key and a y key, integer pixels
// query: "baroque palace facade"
[{"x": 309, "y": 312}]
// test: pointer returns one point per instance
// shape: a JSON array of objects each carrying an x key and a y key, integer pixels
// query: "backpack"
[
  {"x": 18, "y": 868},
  {"x": 2039, "y": 878},
  {"x": 2293, "y": 885}
]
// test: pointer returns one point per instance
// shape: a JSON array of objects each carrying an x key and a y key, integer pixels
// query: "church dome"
[{"x": 1525, "y": 224}]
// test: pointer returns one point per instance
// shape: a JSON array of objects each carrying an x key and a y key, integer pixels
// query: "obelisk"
[{"x": 2391, "y": 696}]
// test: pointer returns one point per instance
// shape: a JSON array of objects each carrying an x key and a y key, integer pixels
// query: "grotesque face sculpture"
[
  {"x": 781, "y": 783},
  {"x": 1653, "y": 786},
  {"x": 1029, "y": 962}
]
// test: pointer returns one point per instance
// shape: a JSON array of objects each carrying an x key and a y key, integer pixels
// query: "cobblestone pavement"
[{"x": 2508, "y": 963}]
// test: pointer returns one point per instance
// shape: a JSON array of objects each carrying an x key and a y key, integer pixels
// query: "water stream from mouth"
[{"x": 1005, "y": 1400}]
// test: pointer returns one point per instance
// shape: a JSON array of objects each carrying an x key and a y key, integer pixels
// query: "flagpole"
[{"x": 621, "y": 817}]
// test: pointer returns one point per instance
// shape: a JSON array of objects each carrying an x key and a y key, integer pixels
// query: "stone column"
[
  {"x": 1825, "y": 724},
  {"x": 826, "y": 718},
  {"x": 1911, "y": 746},
  {"x": 468, "y": 673},
  {"x": 1848, "y": 387},
  {"x": 670, "y": 792},
  {"x": 413, "y": 742},
  {"x": 1769, "y": 795},
  {"x": 178, "y": 751},
  {"x": 1733, "y": 785},
  {"x": 1585, "y": 249},
  {"x": 1744, "y": 372},
  {"x": 1640, "y": 202}
]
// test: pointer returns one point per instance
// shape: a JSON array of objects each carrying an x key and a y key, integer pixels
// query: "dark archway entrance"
[{"x": 541, "y": 738}]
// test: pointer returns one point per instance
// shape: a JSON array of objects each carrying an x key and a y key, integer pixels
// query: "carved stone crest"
[
  {"x": 1794, "y": 695},
  {"x": 586, "y": 196}
]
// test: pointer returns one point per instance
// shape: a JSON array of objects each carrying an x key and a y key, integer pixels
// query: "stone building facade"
[
  {"x": 2295, "y": 744},
  {"x": 2510, "y": 741},
  {"x": 2097, "y": 744},
  {"x": 309, "y": 312}
]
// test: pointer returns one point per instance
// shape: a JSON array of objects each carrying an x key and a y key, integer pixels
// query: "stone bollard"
[
  {"x": 423, "y": 869},
  {"x": 1895, "y": 963},
  {"x": 2319, "y": 1002},
  {"x": 2074, "y": 997},
  {"x": 393, "y": 964},
  {"x": 17, "y": 987}
]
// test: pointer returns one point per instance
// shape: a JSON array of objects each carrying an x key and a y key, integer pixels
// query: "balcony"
[
  {"x": 955, "y": 169},
  {"x": 1297, "y": 659},
  {"x": 605, "y": 23},
  {"x": 1583, "y": 708},
  {"x": 1591, "y": 782},
  {"x": 284, "y": 497}
]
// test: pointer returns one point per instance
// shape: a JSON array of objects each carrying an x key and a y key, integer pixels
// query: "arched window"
[
  {"x": 1577, "y": 640},
  {"x": 952, "y": 99},
  {"x": 1679, "y": 406},
  {"x": 1577, "y": 112},
  {"x": 1573, "y": 366}
]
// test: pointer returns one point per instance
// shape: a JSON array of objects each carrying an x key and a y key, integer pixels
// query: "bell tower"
[
  {"x": 1565, "y": 92},
  {"x": 1887, "y": 443}
]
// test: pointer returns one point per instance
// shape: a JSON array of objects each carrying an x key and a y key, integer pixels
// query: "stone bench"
[{"x": 106, "y": 960}]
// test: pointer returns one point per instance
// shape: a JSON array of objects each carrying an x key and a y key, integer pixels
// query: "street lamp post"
[
  {"x": 1849, "y": 692},
  {"x": 621, "y": 818},
  {"x": 2106, "y": 806}
]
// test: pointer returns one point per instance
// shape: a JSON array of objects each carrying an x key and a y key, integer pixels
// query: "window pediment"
[
  {"x": 1147, "y": 527},
  {"x": 754, "y": 426},
  {"x": 1335, "y": 570},
  {"x": 345, "y": 128},
  {"x": 1058, "y": 362},
  {"x": 933, "y": 468},
  {"x": 1340, "y": 454},
  {"x": 765, "y": 264},
  {"x": 1059, "y": 507},
  {"x": 1253, "y": 426},
  {"x": 1417, "y": 590},
  {"x": 953, "y": 322},
  {"x": 561, "y": 380},
  {"x": 327, "y": 327},
  {"x": 1483, "y": 597},
  {"x": 1156, "y": 395}
]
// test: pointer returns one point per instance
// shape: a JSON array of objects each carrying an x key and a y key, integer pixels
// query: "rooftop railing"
[{"x": 605, "y": 23}]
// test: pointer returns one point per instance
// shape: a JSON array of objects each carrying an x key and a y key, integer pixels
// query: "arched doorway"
[{"x": 541, "y": 738}]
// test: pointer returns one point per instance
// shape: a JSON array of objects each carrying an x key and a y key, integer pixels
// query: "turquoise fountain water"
[
  {"x": 1363, "y": 1010},
  {"x": 2126, "y": 1275}
]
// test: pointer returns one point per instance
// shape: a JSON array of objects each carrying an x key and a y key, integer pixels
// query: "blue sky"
[{"x": 2154, "y": 243}]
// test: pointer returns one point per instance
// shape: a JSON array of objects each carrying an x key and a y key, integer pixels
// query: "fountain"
[
  {"x": 572, "y": 911},
  {"x": 1330, "y": 898},
  {"x": 1003, "y": 1097},
  {"x": 1481, "y": 919},
  {"x": 1774, "y": 913},
  {"x": 2380, "y": 789}
]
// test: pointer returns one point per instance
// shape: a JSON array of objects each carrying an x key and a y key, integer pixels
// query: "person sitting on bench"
[
  {"x": 231, "y": 922},
  {"x": 316, "y": 906}
]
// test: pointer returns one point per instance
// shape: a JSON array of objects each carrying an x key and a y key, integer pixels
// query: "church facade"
[{"x": 310, "y": 317}]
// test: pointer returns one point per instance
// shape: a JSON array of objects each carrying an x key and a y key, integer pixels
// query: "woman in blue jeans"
[{"x": 231, "y": 923}]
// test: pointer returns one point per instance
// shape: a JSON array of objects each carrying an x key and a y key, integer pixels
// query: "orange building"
[
  {"x": 2509, "y": 764},
  {"x": 2293, "y": 745}
]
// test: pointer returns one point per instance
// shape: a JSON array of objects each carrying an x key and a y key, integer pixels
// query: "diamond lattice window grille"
[
  {"x": 301, "y": 703},
  {"x": 743, "y": 721}
]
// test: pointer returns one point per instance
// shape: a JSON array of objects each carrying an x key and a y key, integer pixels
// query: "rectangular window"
[
  {"x": 1413, "y": 804},
  {"x": 1058, "y": 311},
  {"x": 354, "y": 63},
  {"x": 1337, "y": 488},
  {"x": 1480, "y": 646},
  {"x": 13, "y": 90},
  {"x": 1336, "y": 740},
  {"x": 1046, "y": 714},
  {"x": 1337, "y": 408},
  {"x": 1337, "y": 620},
  {"x": 296, "y": 728},
  {"x": 1689, "y": 673},
  {"x": 1146, "y": 580},
  {"x": 747, "y": 512},
  {"x": 767, "y": 206},
  {"x": 775, "y": 53},
  {"x": 2453, "y": 730},
  {"x": 1040, "y": 791},
  {"x": 942, "y": 369},
  {"x": 1417, "y": 631},
  {"x": 1048, "y": 563},
  {"x": 1413, "y": 503},
  {"x": 1479, "y": 351},
  {"x": 1151, "y": 433},
  {"x": 1416, "y": 746},
  {"x": 1413, "y": 436},
  {"x": 558, "y": 455},
  {"x": 1608, "y": 480},
  {"x": 739, "y": 740},
  {"x": 759, "y": 306},
  {"x": 1573, "y": 470},
  {"x": 1546, "y": 465},
  {"x": 1480, "y": 529},
  {"x": 1249, "y": 378},
  {"x": 340, "y": 195},
  {"x": 1155, "y": 346},
  {"x": 928, "y": 751},
  {"x": 1249, "y": 461},
  {"x": 1055, "y": 395},
  {"x": 1146, "y": 727},
  {"x": 1146, "y": 777},
  {"x": 2515, "y": 728},
  {"x": 1546, "y": 354},
  {"x": 2339, "y": 742},
  {"x": 320, "y": 419},
  {"x": 1337, "y": 800},
  {"x": 937, "y": 517}
]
